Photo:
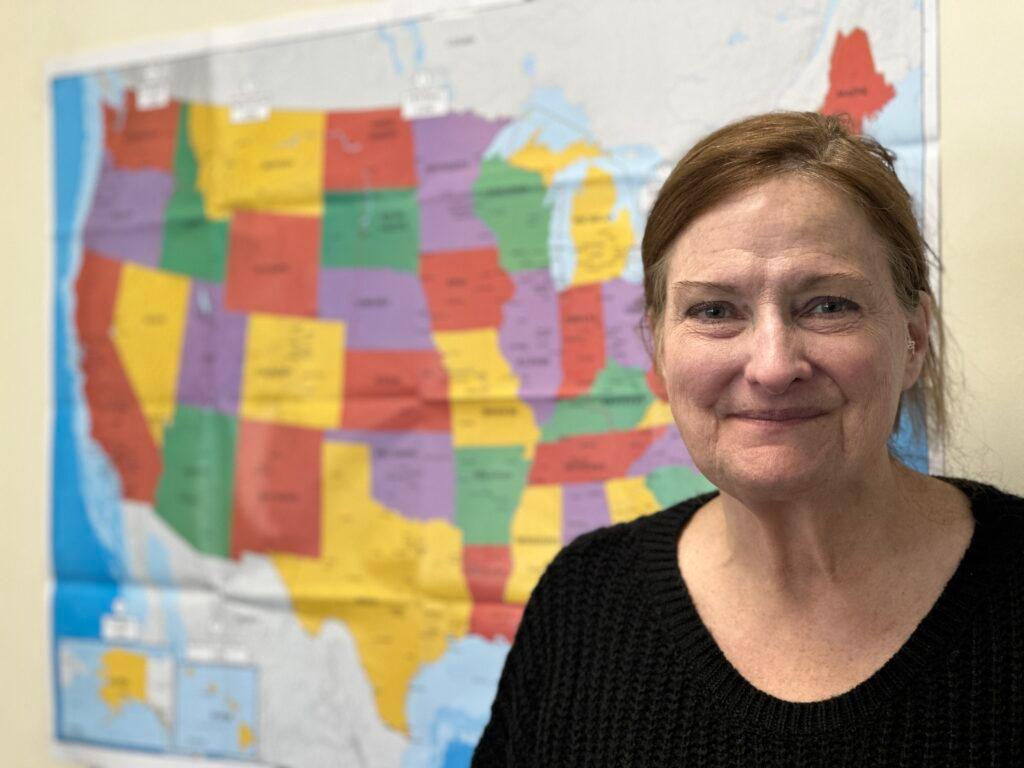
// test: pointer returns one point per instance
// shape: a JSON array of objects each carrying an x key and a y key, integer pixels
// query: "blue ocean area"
[
  {"x": 444, "y": 727},
  {"x": 216, "y": 704},
  {"x": 900, "y": 127}
]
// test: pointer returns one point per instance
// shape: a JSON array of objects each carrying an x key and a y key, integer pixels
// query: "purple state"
[
  {"x": 448, "y": 152},
  {"x": 584, "y": 508},
  {"x": 623, "y": 309},
  {"x": 413, "y": 473},
  {"x": 211, "y": 361},
  {"x": 126, "y": 220},
  {"x": 531, "y": 341},
  {"x": 667, "y": 451},
  {"x": 448, "y": 223},
  {"x": 382, "y": 309}
]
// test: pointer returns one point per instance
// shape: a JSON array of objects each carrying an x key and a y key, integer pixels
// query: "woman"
[{"x": 828, "y": 606}]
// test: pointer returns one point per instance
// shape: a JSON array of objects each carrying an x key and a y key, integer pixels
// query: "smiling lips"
[{"x": 779, "y": 415}]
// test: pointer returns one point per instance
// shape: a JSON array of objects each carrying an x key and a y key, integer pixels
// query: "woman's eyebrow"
[{"x": 810, "y": 281}]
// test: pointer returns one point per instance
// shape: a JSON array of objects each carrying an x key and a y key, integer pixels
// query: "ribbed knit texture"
[{"x": 612, "y": 666}]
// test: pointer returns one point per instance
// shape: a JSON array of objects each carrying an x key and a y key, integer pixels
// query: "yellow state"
[
  {"x": 658, "y": 414},
  {"x": 149, "y": 330},
  {"x": 273, "y": 165},
  {"x": 123, "y": 676},
  {"x": 397, "y": 584},
  {"x": 629, "y": 498},
  {"x": 244, "y": 736},
  {"x": 494, "y": 422},
  {"x": 476, "y": 368},
  {"x": 540, "y": 158},
  {"x": 535, "y": 540},
  {"x": 293, "y": 372},
  {"x": 602, "y": 243}
]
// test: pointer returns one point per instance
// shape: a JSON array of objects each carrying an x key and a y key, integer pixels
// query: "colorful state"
[
  {"x": 274, "y": 165},
  {"x": 117, "y": 421},
  {"x": 856, "y": 88},
  {"x": 382, "y": 310},
  {"x": 149, "y": 329},
  {"x": 413, "y": 473},
  {"x": 273, "y": 263},
  {"x": 536, "y": 539},
  {"x": 530, "y": 340},
  {"x": 589, "y": 458},
  {"x": 672, "y": 484},
  {"x": 581, "y": 316},
  {"x": 371, "y": 229},
  {"x": 195, "y": 491},
  {"x": 448, "y": 153},
  {"x": 623, "y": 311},
  {"x": 489, "y": 484},
  {"x": 141, "y": 138},
  {"x": 127, "y": 214},
  {"x": 277, "y": 490},
  {"x": 512, "y": 202},
  {"x": 211, "y": 359},
  {"x": 494, "y": 422},
  {"x": 396, "y": 584},
  {"x": 617, "y": 401},
  {"x": 293, "y": 371},
  {"x": 194, "y": 244},
  {"x": 668, "y": 450},
  {"x": 487, "y": 570},
  {"x": 123, "y": 675},
  {"x": 585, "y": 508},
  {"x": 397, "y": 390},
  {"x": 540, "y": 158},
  {"x": 601, "y": 238},
  {"x": 630, "y": 498},
  {"x": 465, "y": 289},
  {"x": 476, "y": 368},
  {"x": 368, "y": 150}
]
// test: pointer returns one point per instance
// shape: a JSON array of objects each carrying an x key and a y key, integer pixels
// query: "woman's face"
[{"x": 784, "y": 348}]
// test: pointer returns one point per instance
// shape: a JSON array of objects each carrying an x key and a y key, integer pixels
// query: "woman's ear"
[{"x": 919, "y": 324}]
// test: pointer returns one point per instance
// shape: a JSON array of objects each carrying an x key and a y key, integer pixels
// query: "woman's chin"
[{"x": 775, "y": 473}]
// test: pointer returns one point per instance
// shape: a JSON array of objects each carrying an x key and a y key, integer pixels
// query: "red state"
[
  {"x": 465, "y": 289},
  {"x": 487, "y": 569},
  {"x": 657, "y": 384},
  {"x": 856, "y": 88},
  {"x": 118, "y": 424},
  {"x": 395, "y": 390},
  {"x": 277, "y": 490},
  {"x": 137, "y": 139},
  {"x": 368, "y": 150},
  {"x": 590, "y": 458},
  {"x": 273, "y": 263},
  {"x": 582, "y": 323}
]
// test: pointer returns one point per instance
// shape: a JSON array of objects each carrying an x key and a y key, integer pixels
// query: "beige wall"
[{"x": 982, "y": 117}]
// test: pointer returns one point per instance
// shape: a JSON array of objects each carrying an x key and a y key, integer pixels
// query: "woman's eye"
[
  {"x": 830, "y": 305},
  {"x": 710, "y": 310}
]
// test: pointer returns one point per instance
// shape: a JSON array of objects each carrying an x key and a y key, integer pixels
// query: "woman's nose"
[{"x": 776, "y": 356}]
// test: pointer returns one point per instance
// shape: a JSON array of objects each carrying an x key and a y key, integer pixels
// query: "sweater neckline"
[{"x": 737, "y": 697}]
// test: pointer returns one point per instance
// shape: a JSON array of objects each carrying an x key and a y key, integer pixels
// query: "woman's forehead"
[{"x": 786, "y": 225}]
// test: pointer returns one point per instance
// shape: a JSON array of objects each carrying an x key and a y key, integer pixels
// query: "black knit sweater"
[{"x": 612, "y": 666}]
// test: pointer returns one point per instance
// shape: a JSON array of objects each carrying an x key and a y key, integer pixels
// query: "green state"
[
  {"x": 618, "y": 400},
  {"x": 673, "y": 484},
  {"x": 511, "y": 201},
  {"x": 374, "y": 229},
  {"x": 489, "y": 485},
  {"x": 193, "y": 244},
  {"x": 195, "y": 491}
]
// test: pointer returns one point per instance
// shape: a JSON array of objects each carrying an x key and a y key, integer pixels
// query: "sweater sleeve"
[{"x": 509, "y": 738}]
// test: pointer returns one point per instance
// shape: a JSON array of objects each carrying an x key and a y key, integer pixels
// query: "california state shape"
[
  {"x": 535, "y": 540},
  {"x": 293, "y": 371},
  {"x": 602, "y": 240},
  {"x": 273, "y": 165},
  {"x": 396, "y": 584},
  {"x": 149, "y": 328}
]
